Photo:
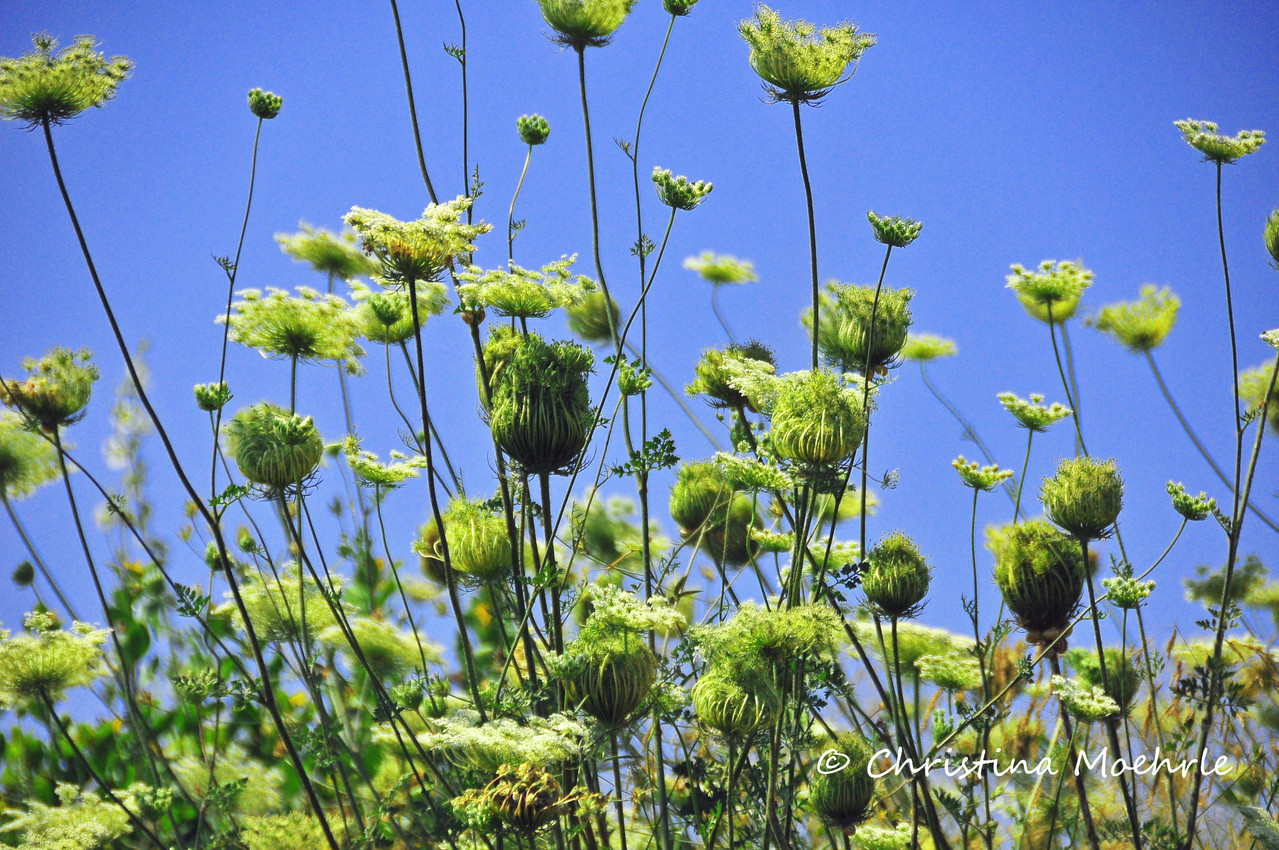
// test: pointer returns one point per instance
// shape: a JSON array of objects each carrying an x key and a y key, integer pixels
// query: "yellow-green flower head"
[
  {"x": 417, "y": 250},
  {"x": 522, "y": 293},
  {"x": 1193, "y": 508},
  {"x": 896, "y": 577},
  {"x": 594, "y": 317},
  {"x": 1203, "y": 137},
  {"x": 1142, "y": 325},
  {"x": 1086, "y": 703},
  {"x": 541, "y": 414},
  {"x": 925, "y": 348},
  {"x": 534, "y": 129},
  {"x": 27, "y": 460},
  {"x": 212, "y": 397},
  {"x": 736, "y": 702},
  {"x": 1052, "y": 288},
  {"x": 1253, "y": 386},
  {"x": 426, "y": 545},
  {"x": 81, "y": 821},
  {"x": 679, "y": 8},
  {"x": 1272, "y": 237},
  {"x": 679, "y": 192},
  {"x": 390, "y": 652},
  {"x": 373, "y": 473},
  {"x": 48, "y": 661},
  {"x": 753, "y": 476},
  {"x": 845, "y": 339},
  {"x": 1126, "y": 592},
  {"x": 720, "y": 269},
  {"x": 1031, "y": 414},
  {"x": 539, "y": 741},
  {"x": 883, "y": 838},
  {"x": 56, "y": 390},
  {"x": 272, "y": 447},
  {"x": 773, "y": 637},
  {"x": 385, "y": 316},
  {"x": 842, "y": 797},
  {"x": 893, "y": 230},
  {"x": 288, "y": 831},
  {"x": 816, "y": 420},
  {"x": 256, "y": 787},
  {"x": 952, "y": 671},
  {"x": 979, "y": 477},
  {"x": 281, "y": 608},
  {"x": 264, "y": 104},
  {"x": 585, "y": 23},
  {"x": 1084, "y": 497},
  {"x": 327, "y": 253},
  {"x": 309, "y": 326},
  {"x": 914, "y": 641},
  {"x": 478, "y": 544},
  {"x": 798, "y": 62},
  {"x": 1121, "y": 680},
  {"x": 1040, "y": 573},
  {"x": 714, "y": 379},
  {"x": 700, "y": 489},
  {"x": 40, "y": 87}
]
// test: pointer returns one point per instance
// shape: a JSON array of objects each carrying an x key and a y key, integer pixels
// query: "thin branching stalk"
[
  {"x": 408, "y": 87},
  {"x": 1081, "y": 776},
  {"x": 510, "y": 218}
]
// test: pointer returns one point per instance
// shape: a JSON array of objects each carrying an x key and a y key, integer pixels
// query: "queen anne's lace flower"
[
  {"x": 309, "y": 326},
  {"x": 1203, "y": 137},
  {"x": 27, "y": 461},
  {"x": 721, "y": 269},
  {"x": 523, "y": 293},
  {"x": 1032, "y": 414},
  {"x": 1141, "y": 325},
  {"x": 48, "y": 661},
  {"x": 1050, "y": 293},
  {"x": 40, "y": 86},
  {"x": 797, "y": 61}
]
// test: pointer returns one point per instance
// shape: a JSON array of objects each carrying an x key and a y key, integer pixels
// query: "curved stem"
[
  {"x": 718, "y": 315},
  {"x": 970, "y": 433},
  {"x": 510, "y": 218},
  {"x": 35, "y": 557},
  {"x": 408, "y": 87},
  {"x": 1021, "y": 482},
  {"x": 1065, "y": 384},
  {"x": 812, "y": 229},
  {"x": 980, "y": 650},
  {"x": 870, "y": 347}
]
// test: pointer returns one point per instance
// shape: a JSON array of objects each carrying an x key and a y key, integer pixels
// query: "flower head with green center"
[
  {"x": 541, "y": 741},
  {"x": 798, "y": 62},
  {"x": 1032, "y": 414},
  {"x": 212, "y": 397},
  {"x": 714, "y": 378},
  {"x": 1040, "y": 573},
  {"x": 1121, "y": 680},
  {"x": 1085, "y": 703},
  {"x": 952, "y": 671},
  {"x": 277, "y": 607},
  {"x": 264, "y": 104},
  {"x": 845, "y": 337},
  {"x": 925, "y": 348},
  {"x": 594, "y": 317},
  {"x": 816, "y": 419},
  {"x": 1142, "y": 325},
  {"x": 272, "y": 447},
  {"x": 1054, "y": 289},
  {"x": 48, "y": 661},
  {"x": 82, "y": 821},
  {"x": 1126, "y": 592},
  {"x": 40, "y": 87},
  {"x": 893, "y": 230},
  {"x": 478, "y": 544},
  {"x": 390, "y": 652},
  {"x": 896, "y": 577},
  {"x": 1203, "y": 137},
  {"x": 1271, "y": 236},
  {"x": 1084, "y": 497},
  {"x": 56, "y": 390},
  {"x": 534, "y": 129},
  {"x": 1253, "y": 387},
  {"x": 27, "y": 460},
  {"x": 373, "y": 473},
  {"x": 679, "y": 192},
  {"x": 1193, "y": 508},
  {"x": 417, "y": 250},
  {"x": 752, "y": 476},
  {"x": 585, "y": 23},
  {"x": 327, "y": 253},
  {"x": 309, "y": 327},
  {"x": 777, "y": 636},
  {"x": 842, "y": 797},
  {"x": 385, "y": 316},
  {"x": 721, "y": 269},
  {"x": 985, "y": 478},
  {"x": 522, "y": 293}
]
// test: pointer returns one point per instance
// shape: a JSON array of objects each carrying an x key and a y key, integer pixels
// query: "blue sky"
[{"x": 1015, "y": 132}]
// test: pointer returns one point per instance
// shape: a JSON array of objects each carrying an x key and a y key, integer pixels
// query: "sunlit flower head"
[
  {"x": 1032, "y": 414},
  {"x": 534, "y": 129},
  {"x": 385, "y": 316},
  {"x": 1142, "y": 325},
  {"x": 714, "y": 378},
  {"x": 523, "y": 293},
  {"x": 542, "y": 742},
  {"x": 264, "y": 104},
  {"x": 720, "y": 269},
  {"x": 925, "y": 348},
  {"x": 896, "y": 577},
  {"x": 679, "y": 193},
  {"x": 951, "y": 671},
  {"x": 308, "y": 326},
  {"x": 27, "y": 460},
  {"x": 845, "y": 337},
  {"x": 679, "y": 8},
  {"x": 282, "y": 608},
  {"x": 1085, "y": 703},
  {"x": 327, "y": 253},
  {"x": 1203, "y": 137},
  {"x": 797, "y": 61},
  {"x": 585, "y": 23},
  {"x": 82, "y": 821},
  {"x": 389, "y": 651},
  {"x": 255, "y": 788},
  {"x": 272, "y": 447},
  {"x": 1193, "y": 508},
  {"x": 43, "y": 87},
  {"x": 894, "y": 231},
  {"x": 1127, "y": 592},
  {"x": 56, "y": 390},
  {"x": 1253, "y": 387},
  {"x": 1084, "y": 497},
  {"x": 418, "y": 250},
  {"x": 1053, "y": 289},
  {"x": 816, "y": 420},
  {"x": 373, "y": 473},
  {"x": 1271, "y": 235},
  {"x": 48, "y": 661},
  {"x": 980, "y": 477}
]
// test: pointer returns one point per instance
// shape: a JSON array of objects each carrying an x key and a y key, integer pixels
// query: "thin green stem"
[
  {"x": 35, "y": 557},
  {"x": 510, "y": 218},
  {"x": 812, "y": 230},
  {"x": 1081, "y": 776},
  {"x": 980, "y": 650},
  {"x": 408, "y": 87}
]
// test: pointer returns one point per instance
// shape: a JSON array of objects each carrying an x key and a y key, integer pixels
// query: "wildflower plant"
[
  {"x": 523, "y": 294},
  {"x": 1218, "y": 148},
  {"x": 679, "y": 193},
  {"x": 585, "y": 23},
  {"x": 798, "y": 62},
  {"x": 1143, "y": 325},
  {"x": 48, "y": 661},
  {"x": 721, "y": 269},
  {"x": 43, "y": 87},
  {"x": 56, "y": 390},
  {"x": 861, "y": 324},
  {"x": 1031, "y": 413},
  {"x": 308, "y": 327},
  {"x": 1052, "y": 291}
]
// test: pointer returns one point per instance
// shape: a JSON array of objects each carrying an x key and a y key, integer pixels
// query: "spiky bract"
[
  {"x": 816, "y": 420},
  {"x": 1084, "y": 497},
  {"x": 1040, "y": 573},
  {"x": 845, "y": 337},
  {"x": 272, "y": 447}
]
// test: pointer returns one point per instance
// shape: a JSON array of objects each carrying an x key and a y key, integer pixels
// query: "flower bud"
[
  {"x": 842, "y": 797},
  {"x": 1193, "y": 508},
  {"x": 678, "y": 8},
  {"x": 897, "y": 576},
  {"x": 1084, "y": 497},
  {"x": 272, "y": 447},
  {"x": 1040, "y": 573},
  {"x": 816, "y": 421},
  {"x": 24, "y": 574},
  {"x": 264, "y": 104},
  {"x": 585, "y": 23},
  {"x": 844, "y": 332},
  {"x": 894, "y": 231},
  {"x": 738, "y": 702},
  {"x": 534, "y": 129},
  {"x": 212, "y": 397},
  {"x": 679, "y": 192}
]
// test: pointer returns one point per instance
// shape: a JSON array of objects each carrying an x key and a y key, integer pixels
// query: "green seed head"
[
  {"x": 611, "y": 678},
  {"x": 842, "y": 797},
  {"x": 737, "y": 702},
  {"x": 798, "y": 62},
  {"x": 24, "y": 574},
  {"x": 534, "y": 129},
  {"x": 478, "y": 544},
  {"x": 816, "y": 421},
  {"x": 706, "y": 510},
  {"x": 1040, "y": 573},
  {"x": 1084, "y": 497},
  {"x": 212, "y": 397},
  {"x": 1142, "y": 325},
  {"x": 272, "y": 447},
  {"x": 40, "y": 87},
  {"x": 714, "y": 380},
  {"x": 679, "y": 192},
  {"x": 56, "y": 390},
  {"x": 894, "y": 231},
  {"x": 897, "y": 576},
  {"x": 585, "y": 23},
  {"x": 1126, "y": 592},
  {"x": 678, "y": 8},
  {"x": 1203, "y": 137},
  {"x": 426, "y": 545},
  {"x": 590, "y": 318},
  {"x": 845, "y": 337},
  {"x": 264, "y": 104},
  {"x": 1031, "y": 414},
  {"x": 1193, "y": 508}
]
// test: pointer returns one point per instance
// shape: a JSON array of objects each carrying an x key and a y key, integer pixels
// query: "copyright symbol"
[{"x": 832, "y": 761}]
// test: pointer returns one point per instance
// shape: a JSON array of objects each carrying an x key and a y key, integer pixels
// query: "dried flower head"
[
  {"x": 951, "y": 671},
  {"x": 1084, "y": 497},
  {"x": 798, "y": 62},
  {"x": 524, "y": 798},
  {"x": 925, "y": 348},
  {"x": 1203, "y": 137},
  {"x": 842, "y": 798},
  {"x": 327, "y": 253},
  {"x": 417, "y": 250},
  {"x": 1032, "y": 414},
  {"x": 309, "y": 327},
  {"x": 594, "y": 317},
  {"x": 816, "y": 420},
  {"x": 1193, "y": 508},
  {"x": 894, "y": 231},
  {"x": 845, "y": 336},
  {"x": 522, "y": 293},
  {"x": 385, "y": 316},
  {"x": 272, "y": 447},
  {"x": 48, "y": 661},
  {"x": 534, "y": 129},
  {"x": 896, "y": 577},
  {"x": 1085, "y": 703},
  {"x": 264, "y": 105},
  {"x": 56, "y": 390},
  {"x": 720, "y": 269},
  {"x": 679, "y": 192},
  {"x": 27, "y": 460},
  {"x": 1040, "y": 573},
  {"x": 979, "y": 477},
  {"x": 585, "y": 23},
  {"x": 1142, "y": 325},
  {"x": 40, "y": 87},
  {"x": 714, "y": 378},
  {"x": 1051, "y": 291}
]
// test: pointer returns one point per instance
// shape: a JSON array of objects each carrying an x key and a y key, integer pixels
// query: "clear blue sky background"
[{"x": 1015, "y": 132}]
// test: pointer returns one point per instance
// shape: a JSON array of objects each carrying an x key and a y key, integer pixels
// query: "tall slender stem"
[
  {"x": 408, "y": 87},
  {"x": 980, "y": 650},
  {"x": 812, "y": 230},
  {"x": 35, "y": 557},
  {"x": 1021, "y": 482},
  {"x": 1081, "y": 784},
  {"x": 510, "y": 218}
]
